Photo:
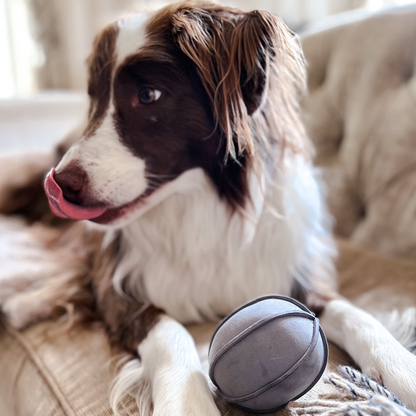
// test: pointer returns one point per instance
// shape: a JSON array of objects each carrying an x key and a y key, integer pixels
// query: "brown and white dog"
[{"x": 196, "y": 166}]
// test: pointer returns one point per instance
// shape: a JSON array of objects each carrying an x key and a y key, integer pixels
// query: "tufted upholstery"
[{"x": 361, "y": 116}]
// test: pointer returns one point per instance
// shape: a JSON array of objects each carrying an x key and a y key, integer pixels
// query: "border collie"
[{"x": 196, "y": 170}]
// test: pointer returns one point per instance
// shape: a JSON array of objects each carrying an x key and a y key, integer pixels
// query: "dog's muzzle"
[{"x": 65, "y": 209}]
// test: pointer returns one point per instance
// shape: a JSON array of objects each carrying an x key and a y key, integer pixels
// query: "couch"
[{"x": 360, "y": 117}]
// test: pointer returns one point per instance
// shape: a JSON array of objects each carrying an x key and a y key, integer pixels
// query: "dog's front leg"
[
  {"x": 169, "y": 360},
  {"x": 372, "y": 347},
  {"x": 172, "y": 365}
]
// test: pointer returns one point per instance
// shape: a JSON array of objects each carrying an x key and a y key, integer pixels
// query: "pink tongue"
[{"x": 64, "y": 209}]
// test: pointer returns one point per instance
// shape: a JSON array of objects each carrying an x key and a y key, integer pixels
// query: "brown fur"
[
  {"x": 31, "y": 202},
  {"x": 314, "y": 298},
  {"x": 82, "y": 288},
  {"x": 244, "y": 60},
  {"x": 101, "y": 68},
  {"x": 55, "y": 277},
  {"x": 254, "y": 99},
  {"x": 252, "y": 71},
  {"x": 27, "y": 198},
  {"x": 127, "y": 321},
  {"x": 75, "y": 286}
]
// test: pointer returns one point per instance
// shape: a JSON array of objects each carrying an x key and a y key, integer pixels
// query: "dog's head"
[{"x": 192, "y": 87}]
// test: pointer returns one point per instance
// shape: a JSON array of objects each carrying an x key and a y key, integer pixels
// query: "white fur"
[
  {"x": 254, "y": 206},
  {"x": 372, "y": 347},
  {"x": 170, "y": 364},
  {"x": 401, "y": 324},
  {"x": 131, "y": 382},
  {"x": 185, "y": 183},
  {"x": 23, "y": 308},
  {"x": 115, "y": 175},
  {"x": 190, "y": 256},
  {"x": 194, "y": 258},
  {"x": 186, "y": 252},
  {"x": 132, "y": 35}
]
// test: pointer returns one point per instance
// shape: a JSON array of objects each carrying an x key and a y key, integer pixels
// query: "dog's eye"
[{"x": 149, "y": 95}]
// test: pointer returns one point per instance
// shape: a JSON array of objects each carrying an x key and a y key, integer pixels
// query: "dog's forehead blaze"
[
  {"x": 112, "y": 46},
  {"x": 132, "y": 35}
]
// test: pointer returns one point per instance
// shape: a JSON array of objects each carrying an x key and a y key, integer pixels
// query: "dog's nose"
[{"x": 71, "y": 180}]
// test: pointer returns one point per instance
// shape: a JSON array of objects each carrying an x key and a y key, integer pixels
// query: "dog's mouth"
[{"x": 99, "y": 214}]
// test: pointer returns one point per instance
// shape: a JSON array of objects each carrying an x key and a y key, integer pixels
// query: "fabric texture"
[
  {"x": 46, "y": 371},
  {"x": 360, "y": 116},
  {"x": 357, "y": 395}
]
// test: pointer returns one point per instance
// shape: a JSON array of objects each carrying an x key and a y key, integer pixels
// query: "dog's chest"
[
  {"x": 189, "y": 256},
  {"x": 192, "y": 285},
  {"x": 190, "y": 260}
]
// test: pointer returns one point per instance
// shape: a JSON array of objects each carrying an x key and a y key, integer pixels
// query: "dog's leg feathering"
[
  {"x": 170, "y": 366},
  {"x": 372, "y": 347},
  {"x": 131, "y": 383}
]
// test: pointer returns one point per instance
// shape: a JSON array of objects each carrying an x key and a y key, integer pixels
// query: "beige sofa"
[{"x": 361, "y": 117}]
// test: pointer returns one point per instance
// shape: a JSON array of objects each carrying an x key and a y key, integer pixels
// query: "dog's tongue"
[{"x": 64, "y": 209}]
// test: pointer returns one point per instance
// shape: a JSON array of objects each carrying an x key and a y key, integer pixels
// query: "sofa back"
[{"x": 361, "y": 117}]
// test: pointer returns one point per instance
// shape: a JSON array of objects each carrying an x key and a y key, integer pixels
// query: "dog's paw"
[
  {"x": 396, "y": 370},
  {"x": 193, "y": 398},
  {"x": 24, "y": 309}
]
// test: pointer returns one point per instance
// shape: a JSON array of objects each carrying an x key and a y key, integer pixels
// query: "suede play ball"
[{"x": 267, "y": 353}]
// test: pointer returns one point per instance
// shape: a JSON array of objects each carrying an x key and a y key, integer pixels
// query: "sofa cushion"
[{"x": 45, "y": 371}]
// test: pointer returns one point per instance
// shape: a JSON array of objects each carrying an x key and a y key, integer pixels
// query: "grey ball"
[{"x": 267, "y": 353}]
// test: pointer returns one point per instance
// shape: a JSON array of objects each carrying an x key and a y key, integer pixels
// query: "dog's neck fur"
[{"x": 195, "y": 259}]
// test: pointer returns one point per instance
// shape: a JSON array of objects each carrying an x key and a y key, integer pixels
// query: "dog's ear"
[
  {"x": 251, "y": 48},
  {"x": 233, "y": 53}
]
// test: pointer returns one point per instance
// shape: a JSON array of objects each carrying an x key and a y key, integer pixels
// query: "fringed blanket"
[{"x": 355, "y": 395}]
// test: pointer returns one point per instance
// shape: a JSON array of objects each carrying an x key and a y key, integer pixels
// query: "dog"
[{"x": 195, "y": 174}]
